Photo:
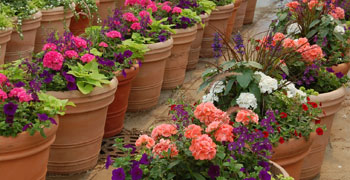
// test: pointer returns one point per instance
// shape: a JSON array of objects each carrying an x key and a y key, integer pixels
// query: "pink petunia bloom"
[
  {"x": 166, "y": 8},
  {"x": 53, "y": 60},
  {"x": 3, "y": 95},
  {"x": 79, "y": 42},
  {"x": 21, "y": 94},
  {"x": 71, "y": 54},
  {"x": 113, "y": 34},
  {"x": 163, "y": 147},
  {"x": 130, "y": 17},
  {"x": 193, "y": 131},
  {"x": 145, "y": 140},
  {"x": 246, "y": 116},
  {"x": 136, "y": 26},
  {"x": 164, "y": 130},
  {"x": 87, "y": 58},
  {"x": 49, "y": 46},
  {"x": 177, "y": 10},
  {"x": 3, "y": 78},
  {"x": 203, "y": 148},
  {"x": 103, "y": 44}
]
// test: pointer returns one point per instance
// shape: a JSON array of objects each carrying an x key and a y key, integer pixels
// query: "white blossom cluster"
[
  {"x": 247, "y": 100},
  {"x": 267, "y": 84},
  {"x": 218, "y": 87},
  {"x": 292, "y": 91},
  {"x": 294, "y": 28},
  {"x": 339, "y": 29}
]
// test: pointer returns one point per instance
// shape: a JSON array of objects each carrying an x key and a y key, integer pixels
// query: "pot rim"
[
  {"x": 283, "y": 171},
  {"x": 56, "y": 9},
  {"x": 187, "y": 30},
  {"x": 329, "y": 96},
  {"x": 160, "y": 45},
  {"x": 134, "y": 67}
]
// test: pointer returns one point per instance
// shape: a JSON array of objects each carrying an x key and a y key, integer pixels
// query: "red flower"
[
  {"x": 295, "y": 133},
  {"x": 279, "y": 129},
  {"x": 313, "y": 104},
  {"x": 172, "y": 107},
  {"x": 256, "y": 130},
  {"x": 266, "y": 134},
  {"x": 320, "y": 103},
  {"x": 257, "y": 48},
  {"x": 318, "y": 121},
  {"x": 299, "y": 134},
  {"x": 305, "y": 107},
  {"x": 281, "y": 140},
  {"x": 319, "y": 131},
  {"x": 308, "y": 98},
  {"x": 258, "y": 41},
  {"x": 231, "y": 123},
  {"x": 283, "y": 115}
]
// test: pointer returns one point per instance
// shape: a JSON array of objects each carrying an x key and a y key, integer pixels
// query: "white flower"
[
  {"x": 294, "y": 28},
  {"x": 267, "y": 83},
  {"x": 339, "y": 29},
  {"x": 292, "y": 91},
  {"x": 210, "y": 98},
  {"x": 247, "y": 100},
  {"x": 218, "y": 87}
]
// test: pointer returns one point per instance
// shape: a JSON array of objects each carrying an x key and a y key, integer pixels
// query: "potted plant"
[
  {"x": 28, "y": 125},
  {"x": 86, "y": 13},
  {"x": 68, "y": 69},
  {"x": 201, "y": 144},
  {"x": 218, "y": 22},
  {"x": 5, "y": 35},
  {"x": 27, "y": 20},
  {"x": 56, "y": 17}
]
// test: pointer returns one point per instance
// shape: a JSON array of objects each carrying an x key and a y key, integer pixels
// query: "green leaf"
[
  {"x": 174, "y": 163},
  {"x": 203, "y": 85},
  {"x": 228, "y": 65},
  {"x": 311, "y": 33},
  {"x": 244, "y": 79},
  {"x": 338, "y": 36},
  {"x": 84, "y": 88},
  {"x": 323, "y": 33},
  {"x": 229, "y": 86},
  {"x": 313, "y": 23},
  {"x": 95, "y": 52},
  {"x": 255, "y": 64},
  {"x": 283, "y": 16},
  {"x": 198, "y": 176},
  {"x": 254, "y": 89},
  {"x": 221, "y": 155}
]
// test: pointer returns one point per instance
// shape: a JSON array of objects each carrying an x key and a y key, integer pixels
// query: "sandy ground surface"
[{"x": 336, "y": 164}]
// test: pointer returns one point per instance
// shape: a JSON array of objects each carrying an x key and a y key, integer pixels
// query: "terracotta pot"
[
  {"x": 5, "y": 36},
  {"x": 80, "y": 134},
  {"x": 232, "y": 19},
  {"x": 196, "y": 44},
  {"x": 175, "y": 69},
  {"x": 146, "y": 87},
  {"x": 217, "y": 22},
  {"x": 331, "y": 103},
  {"x": 240, "y": 16},
  {"x": 53, "y": 20},
  {"x": 343, "y": 68},
  {"x": 116, "y": 110},
  {"x": 106, "y": 8},
  {"x": 23, "y": 48},
  {"x": 78, "y": 26},
  {"x": 250, "y": 11},
  {"x": 277, "y": 169},
  {"x": 25, "y": 156}
]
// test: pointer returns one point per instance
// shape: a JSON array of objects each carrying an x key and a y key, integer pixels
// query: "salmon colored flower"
[
  {"x": 312, "y": 4},
  {"x": 145, "y": 140},
  {"x": 293, "y": 5},
  {"x": 302, "y": 44},
  {"x": 213, "y": 126},
  {"x": 193, "y": 131},
  {"x": 163, "y": 147},
  {"x": 246, "y": 116},
  {"x": 289, "y": 43},
  {"x": 208, "y": 113},
  {"x": 338, "y": 13},
  {"x": 164, "y": 130},
  {"x": 312, "y": 53},
  {"x": 224, "y": 133},
  {"x": 278, "y": 36},
  {"x": 203, "y": 148}
]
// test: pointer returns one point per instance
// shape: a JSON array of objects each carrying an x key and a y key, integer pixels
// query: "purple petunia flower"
[
  {"x": 25, "y": 127},
  {"x": 329, "y": 69},
  {"x": 144, "y": 159},
  {"x": 53, "y": 121},
  {"x": 136, "y": 173},
  {"x": 132, "y": 147},
  {"x": 127, "y": 53},
  {"x": 339, "y": 74},
  {"x": 251, "y": 178},
  {"x": 124, "y": 73},
  {"x": 161, "y": 38},
  {"x": 109, "y": 162},
  {"x": 71, "y": 86},
  {"x": 118, "y": 174},
  {"x": 42, "y": 117},
  {"x": 264, "y": 175},
  {"x": 214, "y": 171},
  {"x": 9, "y": 119},
  {"x": 19, "y": 84},
  {"x": 10, "y": 109}
]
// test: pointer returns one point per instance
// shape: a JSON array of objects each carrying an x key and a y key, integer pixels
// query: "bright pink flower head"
[
  {"x": 312, "y": 4},
  {"x": 213, "y": 126},
  {"x": 71, "y": 54},
  {"x": 130, "y": 2},
  {"x": 3, "y": 78},
  {"x": 49, "y": 46},
  {"x": 144, "y": 13},
  {"x": 203, "y": 148},
  {"x": 3, "y": 95},
  {"x": 293, "y": 5},
  {"x": 103, "y": 44},
  {"x": 224, "y": 133},
  {"x": 163, "y": 147},
  {"x": 21, "y": 94},
  {"x": 166, "y": 8},
  {"x": 312, "y": 53},
  {"x": 53, "y": 60},
  {"x": 144, "y": 3},
  {"x": 136, "y": 26},
  {"x": 152, "y": 6},
  {"x": 193, "y": 131},
  {"x": 289, "y": 43},
  {"x": 79, "y": 42},
  {"x": 278, "y": 36},
  {"x": 145, "y": 140},
  {"x": 246, "y": 116},
  {"x": 338, "y": 13},
  {"x": 164, "y": 130},
  {"x": 177, "y": 10},
  {"x": 116, "y": 22},
  {"x": 113, "y": 34},
  {"x": 87, "y": 58},
  {"x": 130, "y": 17}
]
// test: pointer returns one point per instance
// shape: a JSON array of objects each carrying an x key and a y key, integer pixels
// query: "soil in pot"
[
  {"x": 196, "y": 44},
  {"x": 217, "y": 22},
  {"x": 23, "y": 48},
  {"x": 240, "y": 16},
  {"x": 81, "y": 130},
  {"x": 5, "y": 36},
  {"x": 250, "y": 11},
  {"x": 53, "y": 20},
  {"x": 232, "y": 19},
  {"x": 175, "y": 69},
  {"x": 291, "y": 154},
  {"x": 25, "y": 156},
  {"x": 146, "y": 87},
  {"x": 116, "y": 110},
  {"x": 331, "y": 103}
]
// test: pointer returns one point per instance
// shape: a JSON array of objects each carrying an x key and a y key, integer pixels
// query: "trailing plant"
[{"x": 5, "y": 22}]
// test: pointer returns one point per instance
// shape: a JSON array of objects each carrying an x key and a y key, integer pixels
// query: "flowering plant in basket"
[
  {"x": 200, "y": 145},
  {"x": 24, "y": 108},
  {"x": 321, "y": 22}
]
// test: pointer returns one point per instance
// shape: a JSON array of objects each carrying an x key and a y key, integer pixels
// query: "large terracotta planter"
[
  {"x": 291, "y": 154},
  {"x": 81, "y": 130},
  {"x": 5, "y": 36},
  {"x": 106, "y": 8},
  {"x": 25, "y": 156},
  {"x": 23, "y": 48},
  {"x": 53, "y": 20},
  {"x": 240, "y": 15},
  {"x": 196, "y": 44},
  {"x": 343, "y": 68},
  {"x": 331, "y": 103},
  {"x": 116, "y": 110},
  {"x": 217, "y": 22},
  {"x": 232, "y": 19},
  {"x": 175, "y": 69},
  {"x": 146, "y": 87},
  {"x": 78, "y": 25},
  {"x": 250, "y": 11}
]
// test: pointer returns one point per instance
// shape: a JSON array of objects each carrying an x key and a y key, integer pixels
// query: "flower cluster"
[{"x": 217, "y": 88}]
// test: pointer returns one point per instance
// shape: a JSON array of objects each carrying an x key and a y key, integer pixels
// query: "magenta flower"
[
  {"x": 113, "y": 34},
  {"x": 87, "y": 58},
  {"x": 71, "y": 54},
  {"x": 136, "y": 26},
  {"x": 3, "y": 78},
  {"x": 130, "y": 17},
  {"x": 177, "y": 10},
  {"x": 53, "y": 60},
  {"x": 103, "y": 44},
  {"x": 166, "y": 8},
  {"x": 79, "y": 42},
  {"x": 3, "y": 95},
  {"x": 49, "y": 46}
]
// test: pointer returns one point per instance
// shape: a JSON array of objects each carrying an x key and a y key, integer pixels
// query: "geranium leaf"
[
  {"x": 244, "y": 79},
  {"x": 229, "y": 86}
]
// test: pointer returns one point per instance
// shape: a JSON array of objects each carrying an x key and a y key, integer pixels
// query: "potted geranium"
[
  {"x": 68, "y": 69},
  {"x": 28, "y": 126},
  {"x": 26, "y": 18},
  {"x": 56, "y": 17},
  {"x": 201, "y": 144},
  {"x": 86, "y": 13},
  {"x": 5, "y": 35}
]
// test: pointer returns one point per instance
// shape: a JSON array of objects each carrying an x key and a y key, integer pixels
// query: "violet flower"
[
  {"x": 10, "y": 109},
  {"x": 214, "y": 171},
  {"x": 109, "y": 162},
  {"x": 118, "y": 174},
  {"x": 136, "y": 173}
]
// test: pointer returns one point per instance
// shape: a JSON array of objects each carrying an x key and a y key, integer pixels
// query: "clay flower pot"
[
  {"x": 291, "y": 154},
  {"x": 116, "y": 110},
  {"x": 5, "y": 36},
  {"x": 217, "y": 22},
  {"x": 277, "y": 169},
  {"x": 146, "y": 87},
  {"x": 81, "y": 130},
  {"x": 331, "y": 103},
  {"x": 232, "y": 19},
  {"x": 106, "y": 8},
  {"x": 23, "y": 48},
  {"x": 343, "y": 68},
  {"x": 196, "y": 44},
  {"x": 175, "y": 69},
  {"x": 250, "y": 11},
  {"x": 240, "y": 15},
  {"x": 53, "y": 20},
  {"x": 25, "y": 153}
]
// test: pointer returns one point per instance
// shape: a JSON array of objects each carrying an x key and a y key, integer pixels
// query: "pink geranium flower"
[
  {"x": 130, "y": 17},
  {"x": 193, "y": 131},
  {"x": 3, "y": 78},
  {"x": 21, "y": 94},
  {"x": 53, "y": 60},
  {"x": 203, "y": 148},
  {"x": 208, "y": 113},
  {"x": 166, "y": 8},
  {"x": 144, "y": 13},
  {"x": 87, "y": 58},
  {"x": 152, "y": 6},
  {"x": 163, "y": 147},
  {"x": 136, "y": 26},
  {"x": 278, "y": 36},
  {"x": 103, "y": 44},
  {"x": 145, "y": 140},
  {"x": 163, "y": 130},
  {"x": 289, "y": 43},
  {"x": 3, "y": 95},
  {"x": 246, "y": 116},
  {"x": 71, "y": 54},
  {"x": 79, "y": 42},
  {"x": 224, "y": 133},
  {"x": 113, "y": 34},
  {"x": 49, "y": 46},
  {"x": 177, "y": 10},
  {"x": 312, "y": 53}
]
